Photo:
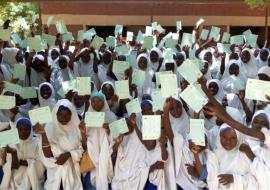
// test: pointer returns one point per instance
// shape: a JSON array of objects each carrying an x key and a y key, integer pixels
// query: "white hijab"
[
  {"x": 46, "y": 102},
  {"x": 180, "y": 125},
  {"x": 8, "y": 62},
  {"x": 82, "y": 69},
  {"x": 60, "y": 75},
  {"x": 232, "y": 83},
  {"x": 250, "y": 68},
  {"x": 236, "y": 163},
  {"x": 149, "y": 73},
  {"x": 55, "y": 130},
  {"x": 264, "y": 70},
  {"x": 260, "y": 62},
  {"x": 37, "y": 78},
  {"x": 154, "y": 65},
  {"x": 220, "y": 94}
]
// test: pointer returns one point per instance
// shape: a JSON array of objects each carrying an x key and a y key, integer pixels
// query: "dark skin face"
[
  {"x": 169, "y": 66},
  {"x": 19, "y": 57},
  {"x": 78, "y": 100},
  {"x": 107, "y": 57},
  {"x": 213, "y": 87},
  {"x": 54, "y": 54},
  {"x": 24, "y": 131},
  {"x": 208, "y": 57},
  {"x": 154, "y": 57},
  {"x": 19, "y": 100},
  {"x": 179, "y": 59},
  {"x": 121, "y": 58},
  {"x": 122, "y": 105},
  {"x": 108, "y": 91},
  {"x": 147, "y": 110},
  {"x": 97, "y": 104},
  {"x": 233, "y": 56},
  {"x": 245, "y": 56},
  {"x": 142, "y": 63},
  {"x": 264, "y": 55},
  {"x": 228, "y": 139},
  {"x": 62, "y": 62},
  {"x": 85, "y": 56},
  {"x": 45, "y": 91},
  {"x": 176, "y": 110},
  {"x": 225, "y": 101},
  {"x": 260, "y": 122},
  {"x": 263, "y": 77},
  {"x": 205, "y": 68},
  {"x": 234, "y": 69},
  {"x": 37, "y": 65},
  {"x": 63, "y": 116}
]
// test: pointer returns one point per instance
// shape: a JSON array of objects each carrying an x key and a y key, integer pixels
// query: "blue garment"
[
  {"x": 150, "y": 186},
  {"x": 1, "y": 174},
  {"x": 87, "y": 182},
  {"x": 204, "y": 173}
]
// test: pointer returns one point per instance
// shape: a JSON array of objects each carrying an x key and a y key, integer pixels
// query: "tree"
[
  {"x": 16, "y": 12},
  {"x": 264, "y": 4}
]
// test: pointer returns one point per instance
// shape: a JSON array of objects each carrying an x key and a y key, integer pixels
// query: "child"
[{"x": 23, "y": 169}]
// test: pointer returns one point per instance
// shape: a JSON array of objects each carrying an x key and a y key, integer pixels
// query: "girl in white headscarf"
[
  {"x": 143, "y": 64},
  {"x": 108, "y": 89},
  {"x": 61, "y": 72},
  {"x": 186, "y": 155},
  {"x": 234, "y": 164},
  {"x": 104, "y": 67},
  {"x": 233, "y": 80},
  {"x": 264, "y": 73},
  {"x": 52, "y": 57},
  {"x": 61, "y": 148},
  {"x": 46, "y": 95},
  {"x": 261, "y": 167},
  {"x": 23, "y": 169},
  {"x": 136, "y": 156},
  {"x": 9, "y": 59},
  {"x": 262, "y": 58},
  {"x": 216, "y": 89},
  {"x": 98, "y": 144},
  {"x": 248, "y": 63},
  {"x": 37, "y": 74},
  {"x": 155, "y": 58},
  {"x": 179, "y": 119},
  {"x": 85, "y": 66},
  {"x": 212, "y": 134}
]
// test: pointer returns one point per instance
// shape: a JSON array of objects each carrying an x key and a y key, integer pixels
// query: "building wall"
[{"x": 80, "y": 14}]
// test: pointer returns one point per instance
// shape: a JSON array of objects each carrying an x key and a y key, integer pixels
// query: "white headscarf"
[
  {"x": 154, "y": 65},
  {"x": 149, "y": 73},
  {"x": 264, "y": 70},
  {"x": 46, "y": 102},
  {"x": 82, "y": 69},
  {"x": 37, "y": 78},
  {"x": 260, "y": 62},
  {"x": 220, "y": 94},
  {"x": 8, "y": 62},
  {"x": 55, "y": 130},
  {"x": 52, "y": 62},
  {"x": 60, "y": 75},
  {"x": 232, "y": 83},
  {"x": 236, "y": 163},
  {"x": 109, "y": 115},
  {"x": 180, "y": 125},
  {"x": 250, "y": 68}
]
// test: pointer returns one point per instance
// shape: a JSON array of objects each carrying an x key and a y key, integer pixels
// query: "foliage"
[
  {"x": 258, "y": 3},
  {"x": 16, "y": 12}
]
